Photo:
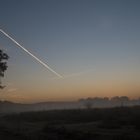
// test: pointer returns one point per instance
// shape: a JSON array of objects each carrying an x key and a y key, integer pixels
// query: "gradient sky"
[{"x": 94, "y": 44}]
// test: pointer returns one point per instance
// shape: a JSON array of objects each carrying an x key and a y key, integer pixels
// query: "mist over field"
[{"x": 88, "y": 103}]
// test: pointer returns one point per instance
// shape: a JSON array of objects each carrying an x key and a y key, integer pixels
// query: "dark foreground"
[{"x": 121, "y": 123}]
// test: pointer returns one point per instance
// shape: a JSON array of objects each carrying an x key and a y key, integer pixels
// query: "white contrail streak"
[{"x": 45, "y": 65}]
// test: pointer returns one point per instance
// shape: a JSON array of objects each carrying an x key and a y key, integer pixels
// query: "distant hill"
[{"x": 9, "y": 107}]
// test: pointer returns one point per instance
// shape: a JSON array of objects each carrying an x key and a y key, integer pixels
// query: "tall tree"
[{"x": 3, "y": 65}]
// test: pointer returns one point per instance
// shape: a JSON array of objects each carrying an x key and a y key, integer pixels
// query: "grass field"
[{"x": 120, "y": 123}]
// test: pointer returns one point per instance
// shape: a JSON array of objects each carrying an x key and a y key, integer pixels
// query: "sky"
[{"x": 93, "y": 44}]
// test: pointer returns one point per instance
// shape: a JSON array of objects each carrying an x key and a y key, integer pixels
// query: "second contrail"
[{"x": 37, "y": 59}]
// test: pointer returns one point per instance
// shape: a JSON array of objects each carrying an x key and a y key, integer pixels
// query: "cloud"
[
  {"x": 12, "y": 89},
  {"x": 74, "y": 74}
]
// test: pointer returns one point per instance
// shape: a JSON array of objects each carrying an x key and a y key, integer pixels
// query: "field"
[{"x": 120, "y": 123}]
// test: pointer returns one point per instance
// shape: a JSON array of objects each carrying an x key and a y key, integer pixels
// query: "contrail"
[
  {"x": 37, "y": 59},
  {"x": 75, "y": 74}
]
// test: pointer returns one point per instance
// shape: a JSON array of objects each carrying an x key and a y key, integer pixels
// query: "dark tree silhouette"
[{"x": 3, "y": 65}]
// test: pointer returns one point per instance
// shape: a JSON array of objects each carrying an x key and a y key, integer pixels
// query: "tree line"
[{"x": 109, "y": 102}]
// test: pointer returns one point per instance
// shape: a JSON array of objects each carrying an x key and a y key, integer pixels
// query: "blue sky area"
[{"x": 95, "y": 44}]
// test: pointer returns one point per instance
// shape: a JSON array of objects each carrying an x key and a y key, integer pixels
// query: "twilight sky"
[{"x": 94, "y": 44}]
